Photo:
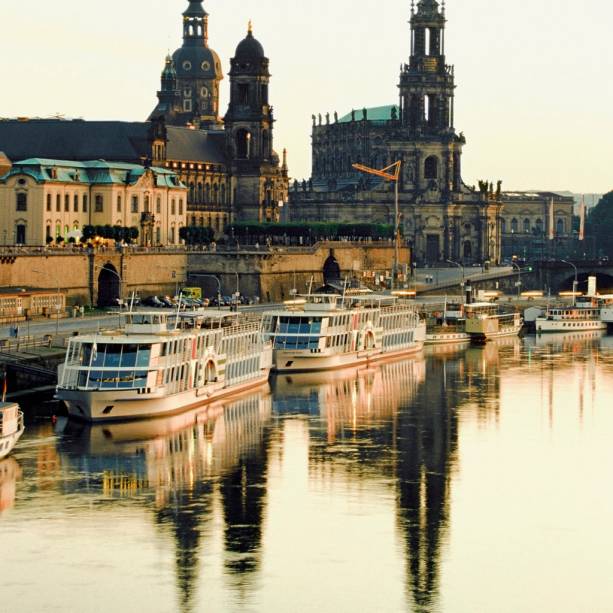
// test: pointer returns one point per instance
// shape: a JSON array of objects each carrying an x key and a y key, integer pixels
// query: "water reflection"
[
  {"x": 182, "y": 460},
  {"x": 413, "y": 477},
  {"x": 10, "y": 473}
]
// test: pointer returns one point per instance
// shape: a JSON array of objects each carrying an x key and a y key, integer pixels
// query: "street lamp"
[
  {"x": 198, "y": 274},
  {"x": 575, "y": 282},
  {"x": 518, "y": 278},
  {"x": 57, "y": 304},
  {"x": 460, "y": 267}
]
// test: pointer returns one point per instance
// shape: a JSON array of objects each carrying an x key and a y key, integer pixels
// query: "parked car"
[
  {"x": 153, "y": 301},
  {"x": 166, "y": 301}
]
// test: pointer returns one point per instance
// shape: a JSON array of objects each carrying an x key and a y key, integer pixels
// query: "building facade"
[
  {"x": 534, "y": 224},
  {"x": 44, "y": 199},
  {"x": 441, "y": 217},
  {"x": 241, "y": 177},
  {"x": 231, "y": 171}
]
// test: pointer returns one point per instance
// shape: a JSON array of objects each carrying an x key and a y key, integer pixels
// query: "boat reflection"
[
  {"x": 188, "y": 462},
  {"x": 10, "y": 473}
]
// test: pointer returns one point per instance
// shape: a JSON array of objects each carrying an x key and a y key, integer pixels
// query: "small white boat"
[
  {"x": 11, "y": 427},
  {"x": 570, "y": 319}
]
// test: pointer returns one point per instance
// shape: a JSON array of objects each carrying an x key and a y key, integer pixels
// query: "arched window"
[
  {"x": 119, "y": 204},
  {"x": 216, "y": 193},
  {"x": 243, "y": 144},
  {"x": 85, "y": 203},
  {"x": 560, "y": 227},
  {"x": 199, "y": 192},
  {"x": 147, "y": 204},
  {"x": 66, "y": 202},
  {"x": 22, "y": 201},
  {"x": 173, "y": 208},
  {"x": 192, "y": 192},
  {"x": 539, "y": 226},
  {"x": 181, "y": 206},
  {"x": 99, "y": 204},
  {"x": 75, "y": 203},
  {"x": 58, "y": 203},
  {"x": 48, "y": 231},
  {"x": 223, "y": 193},
  {"x": 526, "y": 226},
  {"x": 514, "y": 225},
  {"x": 158, "y": 205},
  {"x": 503, "y": 226},
  {"x": 431, "y": 167},
  {"x": 48, "y": 202},
  {"x": 208, "y": 193}
]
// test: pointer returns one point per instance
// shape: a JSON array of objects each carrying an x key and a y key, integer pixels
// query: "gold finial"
[{"x": 250, "y": 27}]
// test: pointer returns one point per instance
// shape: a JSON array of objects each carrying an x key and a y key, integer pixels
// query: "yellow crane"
[{"x": 389, "y": 173}]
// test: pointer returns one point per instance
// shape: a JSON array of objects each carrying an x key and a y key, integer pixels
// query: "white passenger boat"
[
  {"x": 329, "y": 331},
  {"x": 445, "y": 324},
  {"x": 570, "y": 319},
  {"x": 484, "y": 321},
  {"x": 161, "y": 364},
  {"x": 11, "y": 427}
]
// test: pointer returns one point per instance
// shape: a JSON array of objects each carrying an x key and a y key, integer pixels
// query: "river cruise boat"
[
  {"x": 11, "y": 427},
  {"x": 445, "y": 324},
  {"x": 570, "y": 319},
  {"x": 484, "y": 321},
  {"x": 162, "y": 363},
  {"x": 330, "y": 331}
]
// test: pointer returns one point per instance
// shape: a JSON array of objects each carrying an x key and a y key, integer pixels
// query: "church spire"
[{"x": 195, "y": 24}]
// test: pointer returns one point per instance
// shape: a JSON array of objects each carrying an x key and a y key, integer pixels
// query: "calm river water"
[{"x": 468, "y": 480}]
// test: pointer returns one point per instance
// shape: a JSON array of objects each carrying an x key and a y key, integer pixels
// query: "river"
[{"x": 470, "y": 479}]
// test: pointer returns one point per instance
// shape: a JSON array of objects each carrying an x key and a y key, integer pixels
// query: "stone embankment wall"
[{"x": 269, "y": 274}]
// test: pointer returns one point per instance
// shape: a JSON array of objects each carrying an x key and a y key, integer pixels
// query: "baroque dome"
[{"x": 249, "y": 48}]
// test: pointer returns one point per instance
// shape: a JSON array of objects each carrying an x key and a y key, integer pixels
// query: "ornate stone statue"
[
  {"x": 327, "y": 119},
  {"x": 314, "y": 120},
  {"x": 394, "y": 114},
  {"x": 335, "y": 117},
  {"x": 319, "y": 117}
]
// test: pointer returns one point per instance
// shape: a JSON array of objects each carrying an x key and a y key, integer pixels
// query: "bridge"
[{"x": 548, "y": 276}]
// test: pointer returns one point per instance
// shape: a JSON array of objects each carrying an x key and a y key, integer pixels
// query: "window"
[
  {"x": 514, "y": 225},
  {"x": 171, "y": 235},
  {"x": 119, "y": 204},
  {"x": 58, "y": 203},
  {"x": 223, "y": 193},
  {"x": 75, "y": 203},
  {"x": 208, "y": 192},
  {"x": 158, "y": 205},
  {"x": 135, "y": 204},
  {"x": 526, "y": 226},
  {"x": 173, "y": 207},
  {"x": 85, "y": 203},
  {"x": 20, "y": 234},
  {"x": 158, "y": 235},
  {"x": 147, "y": 206},
  {"x": 181, "y": 207},
  {"x": 66, "y": 202},
  {"x": 48, "y": 202},
  {"x": 560, "y": 227},
  {"x": 187, "y": 106},
  {"x": 48, "y": 231},
  {"x": 187, "y": 92},
  {"x": 539, "y": 226},
  {"x": 99, "y": 203},
  {"x": 503, "y": 226},
  {"x": 431, "y": 167},
  {"x": 243, "y": 93},
  {"x": 22, "y": 202}
]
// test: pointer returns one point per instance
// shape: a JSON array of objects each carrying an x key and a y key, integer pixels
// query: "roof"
[
  {"x": 195, "y": 145},
  {"x": 75, "y": 140},
  {"x": 375, "y": 113},
  {"x": 534, "y": 196},
  {"x": 116, "y": 141},
  {"x": 98, "y": 172}
]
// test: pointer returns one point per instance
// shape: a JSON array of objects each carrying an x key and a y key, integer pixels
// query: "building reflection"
[
  {"x": 10, "y": 473},
  {"x": 180, "y": 465}
]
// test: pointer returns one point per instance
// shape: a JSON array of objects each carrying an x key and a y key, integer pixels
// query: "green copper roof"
[
  {"x": 375, "y": 113},
  {"x": 96, "y": 172}
]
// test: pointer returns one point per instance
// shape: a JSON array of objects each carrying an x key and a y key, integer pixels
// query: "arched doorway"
[
  {"x": 109, "y": 286},
  {"x": 332, "y": 270}
]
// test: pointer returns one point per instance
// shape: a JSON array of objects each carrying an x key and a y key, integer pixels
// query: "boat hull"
[
  {"x": 8, "y": 442},
  {"x": 304, "y": 361},
  {"x": 447, "y": 338},
  {"x": 548, "y": 326},
  {"x": 100, "y": 406}
]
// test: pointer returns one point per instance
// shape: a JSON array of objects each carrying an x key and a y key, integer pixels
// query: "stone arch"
[
  {"x": 332, "y": 269},
  {"x": 109, "y": 286}
]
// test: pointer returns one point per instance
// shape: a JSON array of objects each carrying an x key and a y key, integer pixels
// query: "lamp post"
[
  {"x": 198, "y": 274},
  {"x": 461, "y": 269},
  {"x": 518, "y": 278},
  {"x": 575, "y": 282},
  {"x": 57, "y": 304}
]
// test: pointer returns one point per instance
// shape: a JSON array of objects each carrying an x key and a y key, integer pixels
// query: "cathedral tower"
[
  {"x": 198, "y": 74},
  {"x": 262, "y": 184}
]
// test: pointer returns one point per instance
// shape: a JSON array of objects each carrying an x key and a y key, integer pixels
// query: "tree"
[{"x": 600, "y": 224}]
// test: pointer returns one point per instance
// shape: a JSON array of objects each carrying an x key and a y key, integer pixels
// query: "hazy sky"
[{"x": 534, "y": 77}]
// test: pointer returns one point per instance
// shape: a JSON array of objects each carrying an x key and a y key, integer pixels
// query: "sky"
[{"x": 534, "y": 88}]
